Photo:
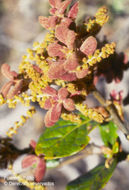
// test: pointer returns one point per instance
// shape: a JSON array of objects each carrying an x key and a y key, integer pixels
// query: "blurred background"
[{"x": 19, "y": 28}]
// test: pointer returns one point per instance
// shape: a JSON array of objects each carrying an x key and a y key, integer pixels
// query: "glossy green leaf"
[
  {"x": 108, "y": 133},
  {"x": 63, "y": 139},
  {"x": 95, "y": 179}
]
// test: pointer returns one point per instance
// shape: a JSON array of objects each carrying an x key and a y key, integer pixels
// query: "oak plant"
[{"x": 59, "y": 74}]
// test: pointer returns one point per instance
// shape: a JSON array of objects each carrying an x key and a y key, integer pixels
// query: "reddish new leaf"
[
  {"x": 53, "y": 115},
  {"x": 62, "y": 93},
  {"x": 53, "y": 11},
  {"x": 48, "y": 23},
  {"x": 64, "y": 6},
  {"x": 56, "y": 70},
  {"x": 40, "y": 170},
  {"x": 89, "y": 46},
  {"x": 5, "y": 69},
  {"x": 68, "y": 76},
  {"x": 73, "y": 11},
  {"x": 47, "y": 119},
  {"x": 56, "y": 112},
  {"x": 61, "y": 33},
  {"x": 29, "y": 161},
  {"x": 47, "y": 104},
  {"x": 66, "y": 21},
  {"x": 71, "y": 63},
  {"x": 55, "y": 3},
  {"x": 82, "y": 73},
  {"x": 37, "y": 69},
  {"x": 55, "y": 49},
  {"x": 70, "y": 39},
  {"x": 16, "y": 89},
  {"x": 49, "y": 91},
  {"x": 69, "y": 104},
  {"x": 5, "y": 89},
  {"x": 65, "y": 35}
]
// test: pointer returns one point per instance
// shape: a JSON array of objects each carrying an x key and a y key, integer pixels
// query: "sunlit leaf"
[
  {"x": 63, "y": 139},
  {"x": 108, "y": 133}
]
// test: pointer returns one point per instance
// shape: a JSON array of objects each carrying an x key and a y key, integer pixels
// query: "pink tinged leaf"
[
  {"x": 71, "y": 63},
  {"x": 52, "y": 11},
  {"x": 63, "y": 93},
  {"x": 56, "y": 71},
  {"x": 5, "y": 89},
  {"x": 49, "y": 91},
  {"x": 29, "y": 161},
  {"x": 40, "y": 170},
  {"x": 61, "y": 32},
  {"x": 33, "y": 144},
  {"x": 69, "y": 77},
  {"x": 5, "y": 69},
  {"x": 55, "y": 3},
  {"x": 66, "y": 21},
  {"x": 89, "y": 46},
  {"x": 70, "y": 39},
  {"x": 73, "y": 11},
  {"x": 65, "y": 35},
  {"x": 69, "y": 104},
  {"x": 56, "y": 112},
  {"x": 54, "y": 50},
  {"x": 15, "y": 90},
  {"x": 63, "y": 6},
  {"x": 52, "y": 116},
  {"x": 82, "y": 73},
  {"x": 37, "y": 69},
  {"x": 47, "y": 119},
  {"x": 52, "y": 3},
  {"x": 48, "y": 23},
  {"x": 47, "y": 104}
]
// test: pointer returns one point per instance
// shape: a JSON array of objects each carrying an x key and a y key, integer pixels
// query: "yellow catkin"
[
  {"x": 71, "y": 117},
  {"x": 100, "y": 19},
  {"x": 13, "y": 130},
  {"x": 102, "y": 16},
  {"x": 89, "y": 112},
  {"x": 94, "y": 59},
  {"x": 2, "y": 100}
]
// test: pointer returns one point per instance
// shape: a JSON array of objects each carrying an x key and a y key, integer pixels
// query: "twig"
[{"x": 111, "y": 109}]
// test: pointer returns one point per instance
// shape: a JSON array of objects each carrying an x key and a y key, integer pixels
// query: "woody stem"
[{"x": 112, "y": 110}]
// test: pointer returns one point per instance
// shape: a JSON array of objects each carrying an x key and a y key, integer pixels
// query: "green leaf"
[
  {"x": 108, "y": 133},
  {"x": 63, "y": 139},
  {"x": 95, "y": 179}
]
